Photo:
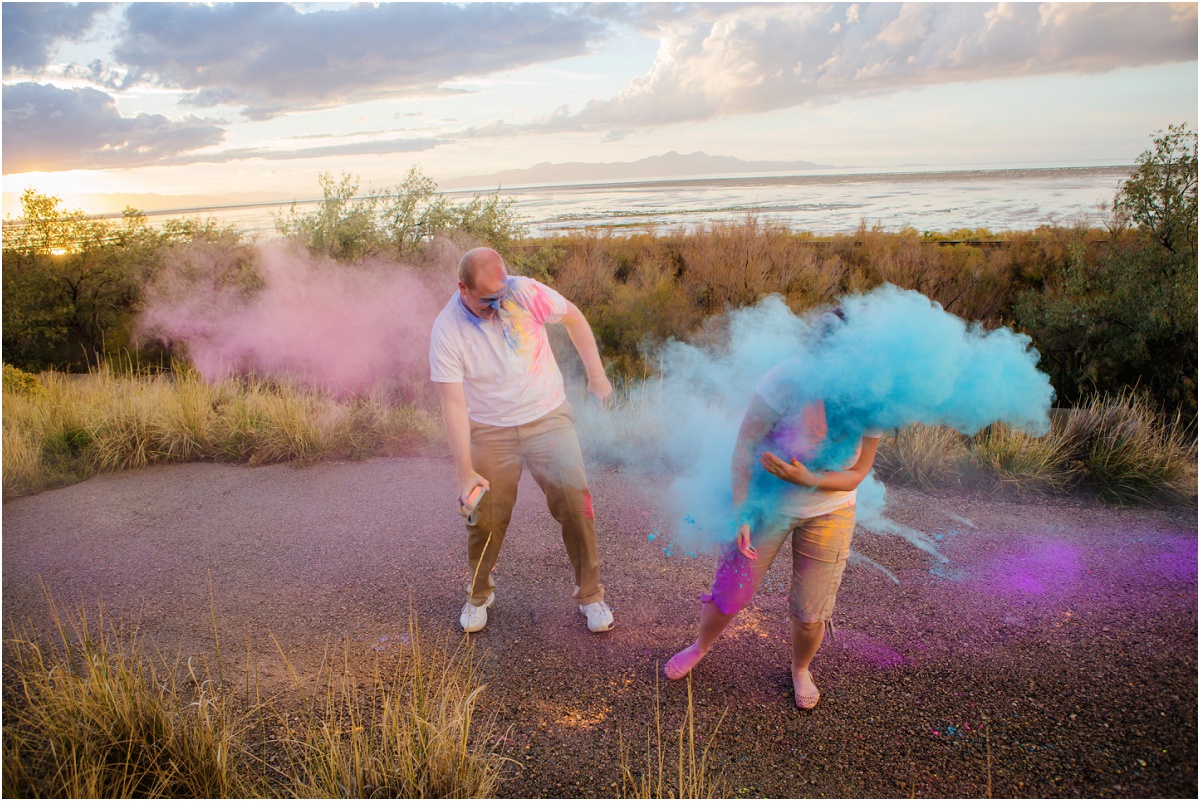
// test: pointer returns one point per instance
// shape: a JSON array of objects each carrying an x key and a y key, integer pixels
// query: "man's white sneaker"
[
  {"x": 599, "y": 616},
  {"x": 473, "y": 618}
]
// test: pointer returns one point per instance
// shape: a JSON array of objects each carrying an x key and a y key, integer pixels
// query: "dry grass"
[
  {"x": 96, "y": 714},
  {"x": 409, "y": 732},
  {"x": 921, "y": 456},
  {"x": 74, "y": 426},
  {"x": 1127, "y": 452},
  {"x": 1009, "y": 459},
  {"x": 686, "y": 773}
]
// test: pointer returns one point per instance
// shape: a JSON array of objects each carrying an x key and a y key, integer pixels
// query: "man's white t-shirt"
[
  {"x": 798, "y": 434},
  {"x": 505, "y": 364}
]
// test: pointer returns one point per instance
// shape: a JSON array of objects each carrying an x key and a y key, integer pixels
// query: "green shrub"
[{"x": 20, "y": 382}]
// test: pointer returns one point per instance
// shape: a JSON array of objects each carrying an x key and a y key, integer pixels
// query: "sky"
[{"x": 254, "y": 101}]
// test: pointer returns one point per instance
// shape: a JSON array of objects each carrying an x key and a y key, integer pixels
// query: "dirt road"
[{"x": 1060, "y": 637}]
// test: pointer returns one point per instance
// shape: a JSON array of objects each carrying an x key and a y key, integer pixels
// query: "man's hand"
[
  {"x": 743, "y": 543},
  {"x": 468, "y": 483},
  {"x": 600, "y": 387},
  {"x": 796, "y": 473}
]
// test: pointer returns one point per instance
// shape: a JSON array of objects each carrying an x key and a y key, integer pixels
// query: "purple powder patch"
[
  {"x": 870, "y": 650},
  {"x": 1176, "y": 561},
  {"x": 1037, "y": 569}
]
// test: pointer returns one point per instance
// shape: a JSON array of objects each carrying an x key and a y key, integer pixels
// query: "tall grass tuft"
[
  {"x": 1127, "y": 452},
  {"x": 1006, "y": 458},
  {"x": 93, "y": 715},
  {"x": 409, "y": 731},
  {"x": 1119, "y": 448},
  {"x": 921, "y": 456},
  {"x": 685, "y": 774}
]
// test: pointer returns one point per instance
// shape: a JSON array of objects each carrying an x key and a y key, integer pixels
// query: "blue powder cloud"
[{"x": 899, "y": 359}]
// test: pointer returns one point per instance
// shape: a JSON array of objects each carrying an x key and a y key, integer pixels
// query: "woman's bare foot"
[
  {"x": 682, "y": 663},
  {"x": 807, "y": 694}
]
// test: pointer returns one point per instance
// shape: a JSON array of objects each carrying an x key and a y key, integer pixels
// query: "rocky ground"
[{"x": 1053, "y": 654}]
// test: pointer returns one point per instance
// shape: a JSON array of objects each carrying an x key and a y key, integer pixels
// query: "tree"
[
  {"x": 1160, "y": 196},
  {"x": 65, "y": 285},
  {"x": 72, "y": 284}
]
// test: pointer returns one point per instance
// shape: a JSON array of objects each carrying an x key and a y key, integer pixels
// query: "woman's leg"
[
  {"x": 712, "y": 623},
  {"x": 806, "y": 639},
  {"x": 819, "y": 550},
  {"x": 734, "y": 585}
]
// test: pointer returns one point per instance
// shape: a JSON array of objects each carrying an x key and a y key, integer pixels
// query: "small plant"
[
  {"x": 20, "y": 382},
  {"x": 690, "y": 776}
]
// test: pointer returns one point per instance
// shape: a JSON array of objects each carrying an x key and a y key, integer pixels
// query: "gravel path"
[{"x": 1060, "y": 637}]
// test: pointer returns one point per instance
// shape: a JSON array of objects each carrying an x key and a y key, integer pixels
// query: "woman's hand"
[
  {"x": 743, "y": 542},
  {"x": 795, "y": 472}
]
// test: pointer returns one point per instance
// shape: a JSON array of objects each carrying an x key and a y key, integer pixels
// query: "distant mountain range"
[{"x": 668, "y": 165}]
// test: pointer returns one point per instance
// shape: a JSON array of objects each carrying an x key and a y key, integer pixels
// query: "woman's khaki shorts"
[{"x": 820, "y": 548}]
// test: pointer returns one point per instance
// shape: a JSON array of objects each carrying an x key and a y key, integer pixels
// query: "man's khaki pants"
[{"x": 550, "y": 447}]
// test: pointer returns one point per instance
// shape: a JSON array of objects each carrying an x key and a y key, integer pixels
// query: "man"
[{"x": 503, "y": 404}]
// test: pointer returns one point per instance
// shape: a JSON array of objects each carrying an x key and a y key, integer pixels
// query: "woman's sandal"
[
  {"x": 677, "y": 667},
  {"x": 806, "y": 702}
]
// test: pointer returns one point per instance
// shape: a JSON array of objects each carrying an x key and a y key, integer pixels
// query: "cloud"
[
  {"x": 371, "y": 148},
  {"x": 47, "y": 129},
  {"x": 271, "y": 58},
  {"x": 761, "y": 58},
  {"x": 32, "y": 29}
]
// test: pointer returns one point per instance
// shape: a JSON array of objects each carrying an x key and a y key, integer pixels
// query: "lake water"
[{"x": 998, "y": 200}]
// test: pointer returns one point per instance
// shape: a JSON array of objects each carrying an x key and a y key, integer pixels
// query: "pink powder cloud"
[{"x": 338, "y": 327}]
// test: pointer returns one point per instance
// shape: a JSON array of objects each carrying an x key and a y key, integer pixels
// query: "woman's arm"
[
  {"x": 756, "y": 424},
  {"x": 834, "y": 480}
]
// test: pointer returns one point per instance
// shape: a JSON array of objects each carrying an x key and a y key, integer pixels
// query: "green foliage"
[
  {"x": 1160, "y": 196},
  {"x": 1127, "y": 317},
  {"x": 398, "y": 222}
]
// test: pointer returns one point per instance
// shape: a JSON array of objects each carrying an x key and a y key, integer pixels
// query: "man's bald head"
[{"x": 481, "y": 264}]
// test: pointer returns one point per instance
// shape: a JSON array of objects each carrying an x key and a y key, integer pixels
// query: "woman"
[{"x": 786, "y": 497}]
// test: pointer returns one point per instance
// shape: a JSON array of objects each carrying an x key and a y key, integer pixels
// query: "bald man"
[{"x": 503, "y": 404}]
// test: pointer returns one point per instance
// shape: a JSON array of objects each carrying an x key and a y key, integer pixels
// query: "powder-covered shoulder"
[{"x": 544, "y": 303}]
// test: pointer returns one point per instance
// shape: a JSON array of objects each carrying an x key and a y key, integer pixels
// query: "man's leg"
[
  {"x": 552, "y": 452},
  {"x": 496, "y": 455}
]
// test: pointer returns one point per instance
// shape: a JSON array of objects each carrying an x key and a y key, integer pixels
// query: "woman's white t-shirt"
[{"x": 504, "y": 363}]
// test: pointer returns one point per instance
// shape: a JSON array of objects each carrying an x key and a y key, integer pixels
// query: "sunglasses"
[{"x": 492, "y": 303}]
